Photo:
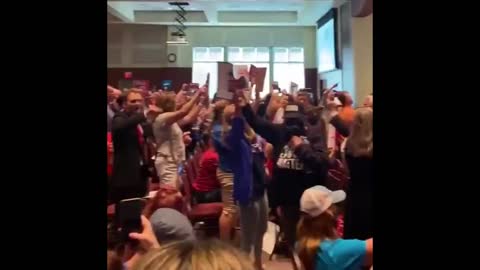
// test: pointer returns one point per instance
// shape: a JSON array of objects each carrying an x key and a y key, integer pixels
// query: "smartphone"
[
  {"x": 275, "y": 86},
  {"x": 129, "y": 217},
  {"x": 234, "y": 84},
  {"x": 194, "y": 87}
]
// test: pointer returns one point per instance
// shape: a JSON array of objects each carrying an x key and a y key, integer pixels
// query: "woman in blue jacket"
[{"x": 235, "y": 164}]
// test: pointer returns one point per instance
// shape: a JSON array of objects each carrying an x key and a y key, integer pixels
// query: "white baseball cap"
[{"x": 318, "y": 199}]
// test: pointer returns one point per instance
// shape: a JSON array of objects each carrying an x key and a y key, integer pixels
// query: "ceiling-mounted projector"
[
  {"x": 179, "y": 37},
  {"x": 177, "y": 40}
]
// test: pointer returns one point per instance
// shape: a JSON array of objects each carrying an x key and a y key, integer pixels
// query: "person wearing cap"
[
  {"x": 299, "y": 156},
  {"x": 318, "y": 246},
  {"x": 169, "y": 225}
]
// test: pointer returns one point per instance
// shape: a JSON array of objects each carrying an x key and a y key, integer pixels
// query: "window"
[
  {"x": 260, "y": 57},
  {"x": 205, "y": 61},
  {"x": 288, "y": 67},
  {"x": 287, "y": 63}
]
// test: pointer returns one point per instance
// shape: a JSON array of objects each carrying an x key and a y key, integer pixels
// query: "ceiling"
[{"x": 222, "y": 13}]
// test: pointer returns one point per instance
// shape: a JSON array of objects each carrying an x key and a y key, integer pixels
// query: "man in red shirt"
[{"x": 206, "y": 186}]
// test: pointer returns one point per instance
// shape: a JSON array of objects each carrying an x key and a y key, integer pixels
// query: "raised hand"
[
  {"x": 147, "y": 237},
  {"x": 240, "y": 98},
  {"x": 294, "y": 142}
]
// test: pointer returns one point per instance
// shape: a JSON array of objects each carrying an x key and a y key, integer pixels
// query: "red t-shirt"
[
  {"x": 109, "y": 155},
  {"x": 269, "y": 167},
  {"x": 206, "y": 180}
]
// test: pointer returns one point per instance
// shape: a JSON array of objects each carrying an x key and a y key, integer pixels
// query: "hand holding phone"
[
  {"x": 129, "y": 213},
  {"x": 194, "y": 86},
  {"x": 184, "y": 87},
  {"x": 275, "y": 86},
  {"x": 146, "y": 238}
]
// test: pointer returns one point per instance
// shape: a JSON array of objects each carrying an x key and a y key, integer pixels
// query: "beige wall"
[
  {"x": 362, "y": 39},
  {"x": 245, "y": 37},
  {"x": 136, "y": 45},
  {"x": 128, "y": 44},
  {"x": 356, "y": 73}
]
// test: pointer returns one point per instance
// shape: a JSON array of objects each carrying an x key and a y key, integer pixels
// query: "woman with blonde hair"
[
  {"x": 169, "y": 136},
  {"x": 248, "y": 166},
  {"x": 368, "y": 102},
  {"x": 194, "y": 255},
  {"x": 318, "y": 245},
  {"x": 233, "y": 141},
  {"x": 358, "y": 156},
  {"x": 221, "y": 113}
]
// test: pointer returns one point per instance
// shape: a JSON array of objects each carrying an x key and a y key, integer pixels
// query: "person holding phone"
[
  {"x": 248, "y": 166},
  {"x": 146, "y": 240},
  {"x": 112, "y": 107},
  {"x": 223, "y": 114},
  {"x": 129, "y": 174},
  {"x": 298, "y": 154}
]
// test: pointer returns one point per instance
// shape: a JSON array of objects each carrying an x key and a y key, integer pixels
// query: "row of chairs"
[{"x": 204, "y": 216}]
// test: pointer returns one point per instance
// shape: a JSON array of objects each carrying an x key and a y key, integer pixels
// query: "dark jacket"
[
  {"x": 294, "y": 171},
  {"x": 359, "y": 202},
  {"x": 235, "y": 150},
  {"x": 259, "y": 175},
  {"x": 128, "y": 153}
]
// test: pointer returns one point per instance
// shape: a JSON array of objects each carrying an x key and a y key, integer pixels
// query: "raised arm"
[
  {"x": 119, "y": 122},
  {"x": 191, "y": 117},
  {"x": 270, "y": 132},
  {"x": 340, "y": 126},
  {"x": 312, "y": 153},
  {"x": 257, "y": 101},
  {"x": 369, "y": 255},
  {"x": 237, "y": 132},
  {"x": 172, "y": 117}
]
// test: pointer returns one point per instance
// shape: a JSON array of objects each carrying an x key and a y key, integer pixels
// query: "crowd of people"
[{"x": 306, "y": 166}]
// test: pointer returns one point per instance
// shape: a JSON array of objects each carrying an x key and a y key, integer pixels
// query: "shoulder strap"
[{"x": 344, "y": 159}]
